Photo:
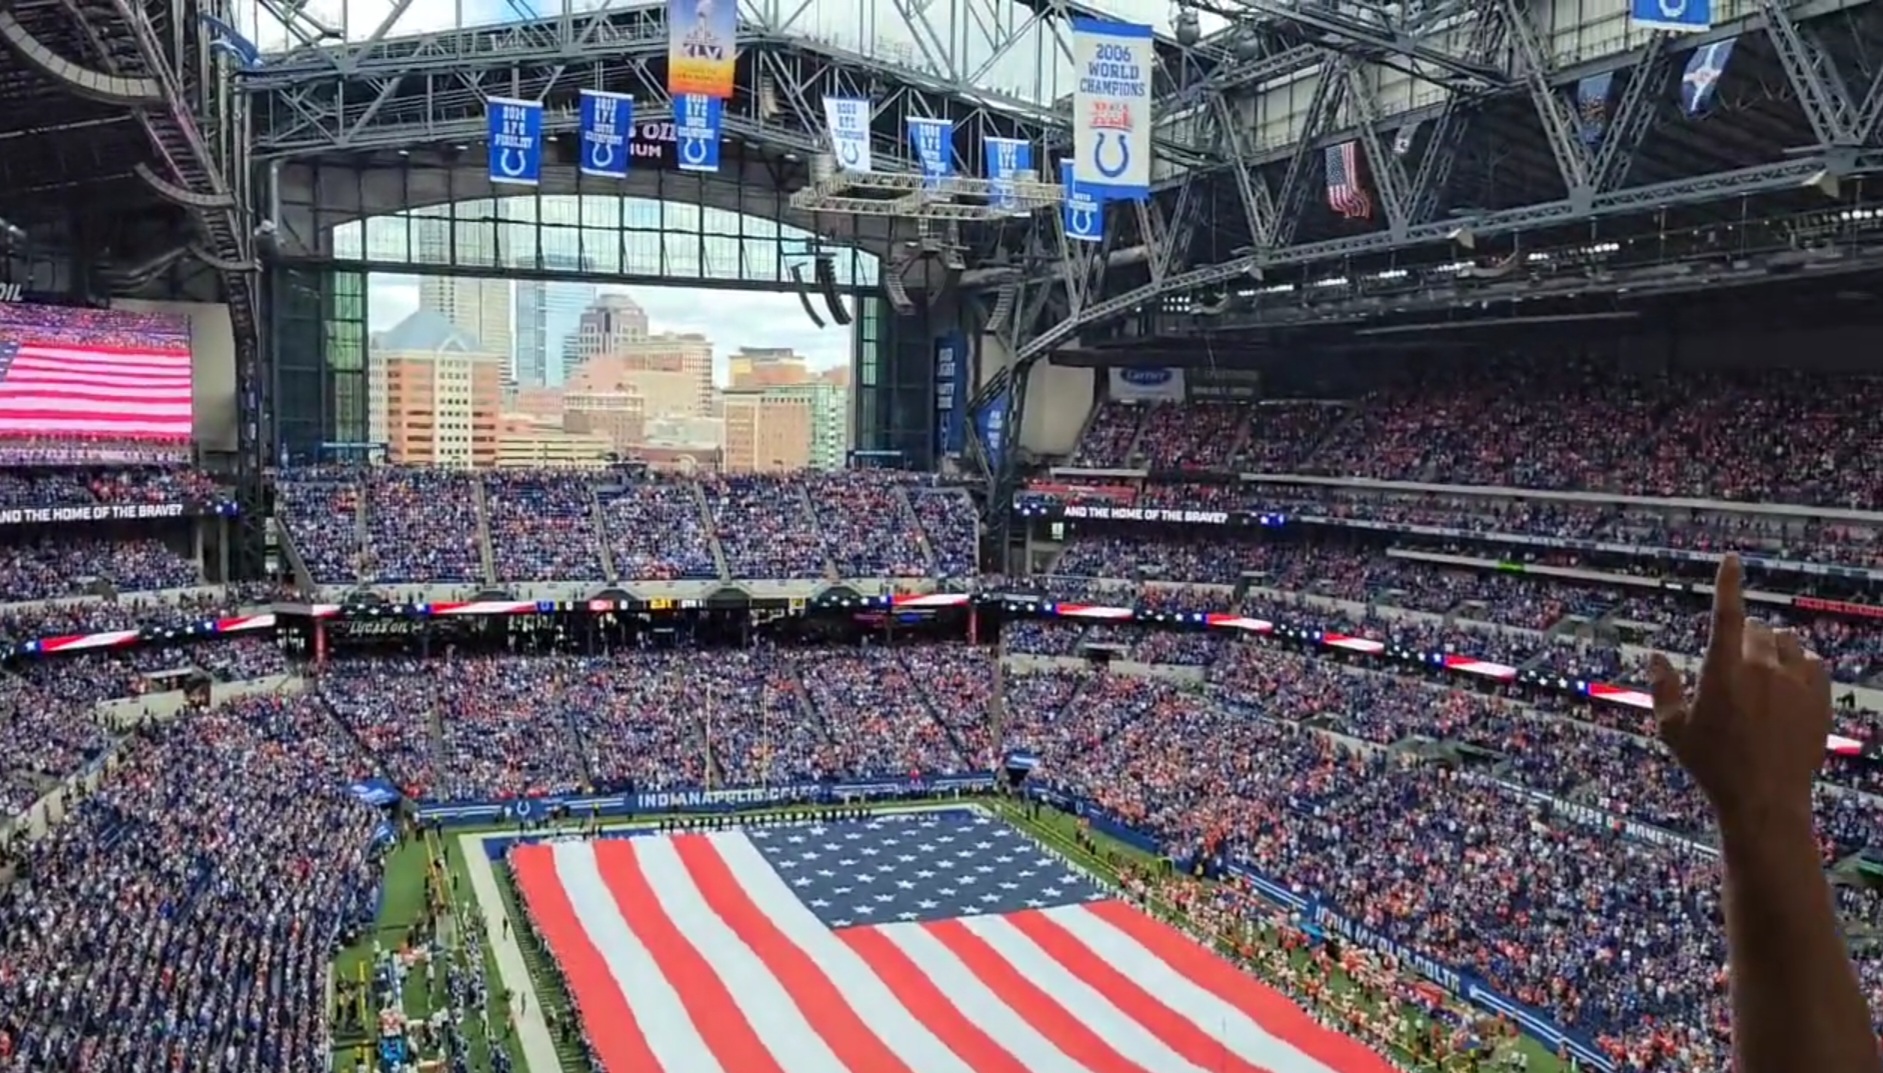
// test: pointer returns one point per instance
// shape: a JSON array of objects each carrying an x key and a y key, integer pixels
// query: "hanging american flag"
[
  {"x": 940, "y": 942},
  {"x": 59, "y": 383},
  {"x": 1345, "y": 194}
]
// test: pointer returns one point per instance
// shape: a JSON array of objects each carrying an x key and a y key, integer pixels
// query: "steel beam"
[
  {"x": 1258, "y": 205},
  {"x": 1389, "y": 173},
  {"x": 1747, "y": 182},
  {"x": 1322, "y": 109},
  {"x": 1813, "y": 76},
  {"x": 1340, "y": 32},
  {"x": 1870, "y": 115},
  {"x": 1559, "y": 128},
  {"x": 1634, "y": 113},
  {"x": 1446, "y": 139}
]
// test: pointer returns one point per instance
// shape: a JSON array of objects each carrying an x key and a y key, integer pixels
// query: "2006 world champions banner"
[
  {"x": 702, "y": 47},
  {"x": 1111, "y": 109}
]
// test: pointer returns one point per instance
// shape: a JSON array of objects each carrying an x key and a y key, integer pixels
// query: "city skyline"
[{"x": 730, "y": 319}]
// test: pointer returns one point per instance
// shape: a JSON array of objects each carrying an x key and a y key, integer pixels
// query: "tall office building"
[
  {"x": 613, "y": 350},
  {"x": 547, "y": 313},
  {"x": 610, "y": 322},
  {"x": 480, "y": 308},
  {"x": 765, "y": 367},
  {"x": 765, "y": 433},
  {"x": 785, "y": 427},
  {"x": 433, "y": 393}
]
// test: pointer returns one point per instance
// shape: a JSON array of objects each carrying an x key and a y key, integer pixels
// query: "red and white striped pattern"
[
  {"x": 690, "y": 954},
  {"x": 54, "y": 388}
]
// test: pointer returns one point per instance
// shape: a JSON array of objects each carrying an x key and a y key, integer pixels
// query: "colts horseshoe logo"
[
  {"x": 1098, "y": 153},
  {"x": 1082, "y": 220},
  {"x": 1673, "y": 9},
  {"x": 504, "y": 165},
  {"x": 694, "y": 150},
  {"x": 600, "y": 156}
]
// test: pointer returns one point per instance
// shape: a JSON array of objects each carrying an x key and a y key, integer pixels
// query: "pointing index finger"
[{"x": 1729, "y": 612}]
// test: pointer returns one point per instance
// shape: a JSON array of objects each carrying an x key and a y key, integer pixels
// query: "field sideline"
[{"x": 490, "y": 896}]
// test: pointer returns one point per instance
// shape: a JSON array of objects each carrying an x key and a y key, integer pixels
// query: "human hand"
[{"x": 1752, "y": 734}]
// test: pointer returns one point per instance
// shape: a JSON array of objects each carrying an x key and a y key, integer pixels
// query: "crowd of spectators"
[
  {"x": 1771, "y": 436},
  {"x": 422, "y": 525},
  {"x": 766, "y": 529},
  {"x": 320, "y": 508},
  {"x": 184, "y": 914},
  {"x": 1615, "y": 936},
  {"x": 953, "y": 528},
  {"x": 31, "y": 621},
  {"x": 490, "y": 727},
  {"x": 868, "y": 525},
  {"x": 89, "y": 486},
  {"x": 542, "y": 526},
  {"x": 44, "y": 739},
  {"x": 1798, "y": 540},
  {"x": 57, "y": 567},
  {"x": 656, "y": 531}
]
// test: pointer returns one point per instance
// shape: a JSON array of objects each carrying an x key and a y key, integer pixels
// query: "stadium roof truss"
[
  {"x": 1498, "y": 162},
  {"x": 129, "y": 84}
]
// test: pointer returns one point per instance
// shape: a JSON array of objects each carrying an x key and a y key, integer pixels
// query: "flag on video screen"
[
  {"x": 948, "y": 944},
  {"x": 53, "y": 388}
]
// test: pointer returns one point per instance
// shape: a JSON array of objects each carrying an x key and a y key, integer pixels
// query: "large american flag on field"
[
  {"x": 54, "y": 387},
  {"x": 1345, "y": 194},
  {"x": 926, "y": 943}
]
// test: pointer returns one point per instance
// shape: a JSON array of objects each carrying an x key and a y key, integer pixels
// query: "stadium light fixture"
[{"x": 912, "y": 196}]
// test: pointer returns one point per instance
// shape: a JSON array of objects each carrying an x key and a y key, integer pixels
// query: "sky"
[{"x": 731, "y": 319}]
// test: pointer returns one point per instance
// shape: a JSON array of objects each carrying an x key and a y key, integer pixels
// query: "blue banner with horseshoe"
[
  {"x": 696, "y": 120},
  {"x": 1111, "y": 108},
  {"x": 516, "y": 141},
  {"x": 1006, "y": 158},
  {"x": 1680, "y": 16},
  {"x": 933, "y": 142},
  {"x": 607, "y": 132},
  {"x": 1085, "y": 217}
]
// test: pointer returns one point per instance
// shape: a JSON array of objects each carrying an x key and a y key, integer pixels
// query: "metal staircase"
[
  {"x": 810, "y": 516},
  {"x": 915, "y": 526},
  {"x": 602, "y": 541},
  {"x": 485, "y": 551},
  {"x": 291, "y": 555},
  {"x": 712, "y": 530},
  {"x": 361, "y": 573}
]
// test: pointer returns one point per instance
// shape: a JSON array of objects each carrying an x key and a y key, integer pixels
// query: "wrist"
[{"x": 1766, "y": 820}]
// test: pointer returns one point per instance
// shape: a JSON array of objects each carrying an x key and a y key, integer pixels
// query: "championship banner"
[
  {"x": 607, "y": 126},
  {"x": 1111, "y": 109},
  {"x": 990, "y": 424},
  {"x": 1005, "y": 158},
  {"x": 696, "y": 120},
  {"x": 933, "y": 142},
  {"x": 516, "y": 141},
  {"x": 951, "y": 390},
  {"x": 702, "y": 47},
  {"x": 849, "y": 121},
  {"x": 1680, "y": 16},
  {"x": 1084, "y": 216}
]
